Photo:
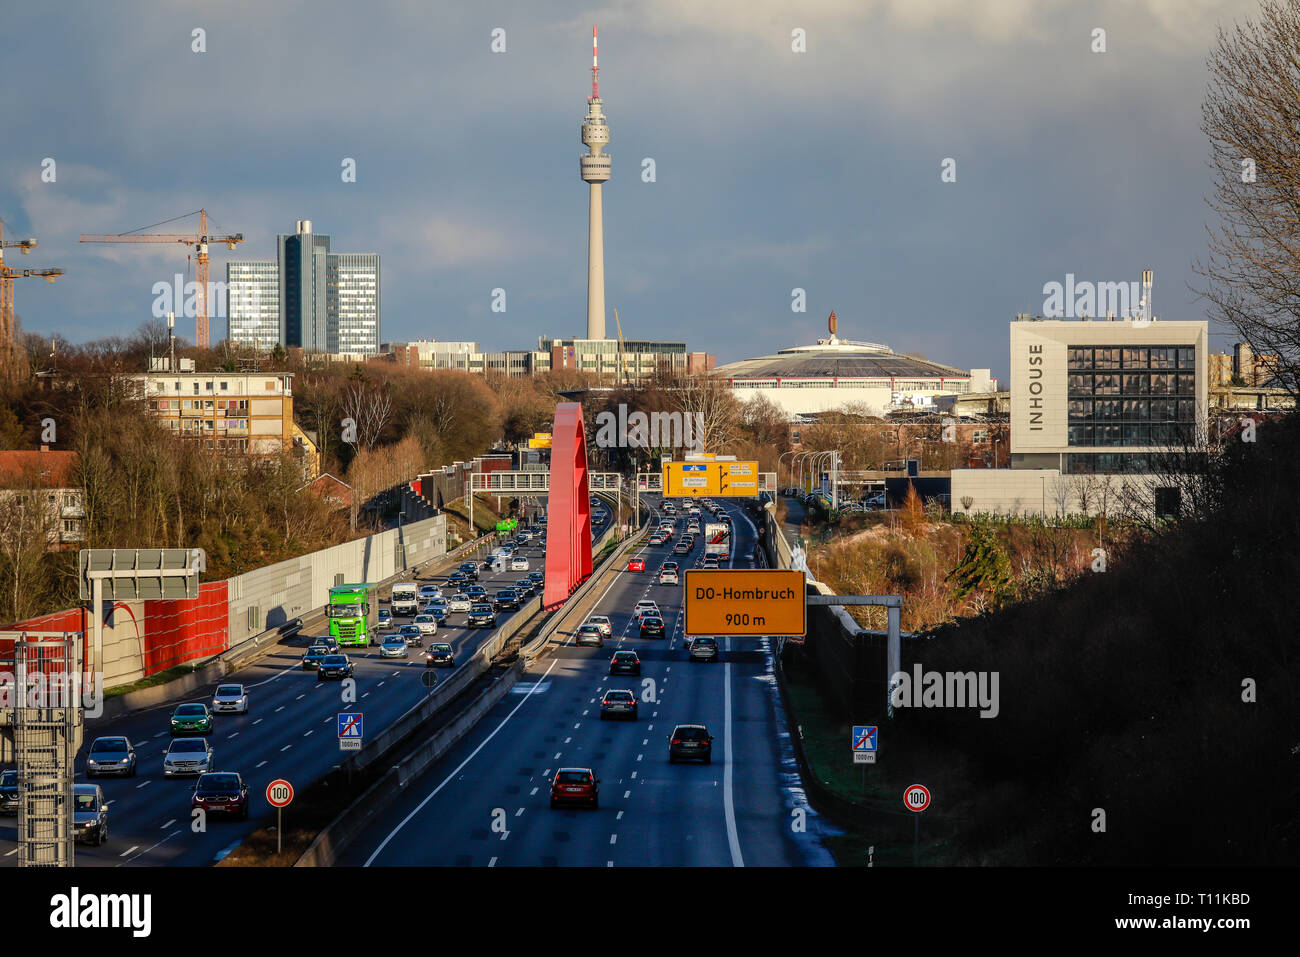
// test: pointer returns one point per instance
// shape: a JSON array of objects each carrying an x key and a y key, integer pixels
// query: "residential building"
[
  {"x": 47, "y": 480},
  {"x": 241, "y": 413},
  {"x": 637, "y": 359}
]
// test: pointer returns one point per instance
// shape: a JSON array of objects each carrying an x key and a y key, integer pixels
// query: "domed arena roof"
[{"x": 833, "y": 357}]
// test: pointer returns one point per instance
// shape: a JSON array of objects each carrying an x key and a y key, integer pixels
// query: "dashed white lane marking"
[
  {"x": 133, "y": 847},
  {"x": 566, "y": 741},
  {"x": 613, "y": 839},
  {"x": 328, "y": 720},
  {"x": 233, "y": 734},
  {"x": 142, "y": 784},
  {"x": 380, "y": 685},
  {"x": 644, "y": 742},
  {"x": 285, "y": 748},
  {"x": 619, "y": 816},
  {"x": 312, "y": 731},
  {"x": 577, "y": 726},
  {"x": 260, "y": 764},
  {"x": 626, "y": 795},
  {"x": 301, "y": 696},
  {"x": 168, "y": 824},
  {"x": 532, "y": 792},
  {"x": 609, "y": 863},
  {"x": 640, "y": 756},
  {"x": 504, "y": 835},
  {"x": 259, "y": 721},
  {"x": 633, "y": 775},
  {"x": 279, "y": 709},
  {"x": 519, "y": 812},
  {"x": 584, "y": 712},
  {"x": 492, "y": 863}
]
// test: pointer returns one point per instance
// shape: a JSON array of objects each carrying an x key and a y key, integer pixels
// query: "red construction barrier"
[{"x": 568, "y": 508}]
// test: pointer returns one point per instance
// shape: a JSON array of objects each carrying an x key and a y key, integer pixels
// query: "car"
[
  {"x": 668, "y": 576},
  {"x": 439, "y": 655},
  {"x": 658, "y": 538},
  {"x": 89, "y": 814},
  {"x": 187, "y": 756},
  {"x": 110, "y": 755},
  {"x": 481, "y": 615},
  {"x": 232, "y": 699},
  {"x": 427, "y": 624},
  {"x": 683, "y": 547},
  {"x": 438, "y": 609},
  {"x": 458, "y": 602},
  {"x": 618, "y": 703},
  {"x": 469, "y": 570},
  {"x": 672, "y": 566},
  {"x": 385, "y": 618},
  {"x": 625, "y": 663},
  {"x": 710, "y": 561},
  {"x": 652, "y": 626},
  {"x": 519, "y": 564},
  {"x": 191, "y": 719},
  {"x": 526, "y": 587},
  {"x": 524, "y": 537},
  {"x": 411, "y": 634},
  {"x": 222, "y": 792},
  {"x": 394, "y": 646},
  {"x": 690, "y": 742},
  {"x": 575, "y": 786},
  {"x": 9, "y": 792},
  {"x": 429, "y": 592},
  {"x": 457, "y": 579},
  {"x": 476, "y": 592},
  {"x": 336, "y": 667},
  {"x": 601, "y": 622},
  {"x": 636, "y": 564},
  {"x": 670, "y": 508},
  {"x": 331, "y": 643},
  {"x": 589, "y": 635},
  {"x": 506, "y": 598},
  {"x": 704, "y": 649},
  {"x": 313, "y": 656},
  {"x": 643, "y": 608}
]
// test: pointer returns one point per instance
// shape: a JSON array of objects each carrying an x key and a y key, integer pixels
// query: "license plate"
[{"x": 574, "y": 790}]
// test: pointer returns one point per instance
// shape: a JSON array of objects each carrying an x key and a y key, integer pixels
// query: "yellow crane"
[
  {"x": 198, "y": 240},
  {"x": 8, "y": 361}
]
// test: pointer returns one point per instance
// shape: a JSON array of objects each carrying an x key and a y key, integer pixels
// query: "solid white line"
[
  {"x": 448, "y": 778},
  {"x": 728, "y": 802}
]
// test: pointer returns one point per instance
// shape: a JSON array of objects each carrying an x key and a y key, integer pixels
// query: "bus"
[{"x": 350, "y": 615}]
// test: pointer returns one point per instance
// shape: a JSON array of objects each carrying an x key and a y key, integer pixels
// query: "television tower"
[{"x": 595, "y": 170}]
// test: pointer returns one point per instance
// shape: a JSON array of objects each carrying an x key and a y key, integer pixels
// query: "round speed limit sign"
[
  {"x": 916, "y": 797},
  {"x": 279, "y": 793}
]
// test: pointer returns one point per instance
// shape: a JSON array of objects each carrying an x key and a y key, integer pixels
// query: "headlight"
[{"x": 91, "y": 762}]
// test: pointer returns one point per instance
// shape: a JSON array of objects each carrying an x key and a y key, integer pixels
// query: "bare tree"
[
  {"x": 712, "y": 407},
  {"x": 369, "y": 409},
  {"x": 29, "y": 522},
  {"x": 1251, "y": 115}
]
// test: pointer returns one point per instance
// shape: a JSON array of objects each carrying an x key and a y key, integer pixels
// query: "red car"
[
  {"x": 575, "y": 786},
  {"x": 221, "y": 792},
  {"x": 636, "y": 564}
]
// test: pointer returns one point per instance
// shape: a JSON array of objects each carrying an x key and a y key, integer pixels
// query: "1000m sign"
[{"x": 745, "y": 602}]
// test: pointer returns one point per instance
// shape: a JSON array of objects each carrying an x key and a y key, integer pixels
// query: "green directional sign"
[{"x": 507, "y": 525}]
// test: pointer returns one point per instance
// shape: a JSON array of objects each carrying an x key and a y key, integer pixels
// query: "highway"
[
  {"x": 486, "y": 803},
  {"x": 290, "y": 732}
]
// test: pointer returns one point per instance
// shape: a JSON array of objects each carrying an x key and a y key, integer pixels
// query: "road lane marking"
[
  {"x": 619, "y": 816},
  {"x": 233, "y": 734},
  {"x": 473, "y": 754},
  {"x": 260, "y": 764},
  {"x": 142, "y": 784},
  {"x": 532, "y": 792},
  {"x": 613, "y": 838},
  {"x": 279, "y": 709},
  {"x": 13, "y": 852},
  {"x": 312, "y": 731},
  {"x": 133, "y": 847},
  {"x": 301, "y": 696},
  {"x": 492, "y": 863},
  {"x": 259, "y": 721},
  {"x": 147, "y": 850},
  {"x": 285, "y": 748},
  {"x": 519, "y": 812},
  {"x": 728, "y": 802},
  {"x": 168, "y": 824},
  {"x": 626, "y": 795}
]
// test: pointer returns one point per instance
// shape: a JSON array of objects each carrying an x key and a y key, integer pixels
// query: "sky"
[{"x": 774, "y": 170}]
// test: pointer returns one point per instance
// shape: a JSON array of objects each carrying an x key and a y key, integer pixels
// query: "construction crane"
[
  {"x": 198, "y": 240},
  {"x": 7, "y": 277}
]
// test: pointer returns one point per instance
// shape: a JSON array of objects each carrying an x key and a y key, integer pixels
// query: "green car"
[{"x": 191, "y": 719}]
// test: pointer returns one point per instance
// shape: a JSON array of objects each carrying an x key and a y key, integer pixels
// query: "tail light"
[{"x": 677, "y": 740}]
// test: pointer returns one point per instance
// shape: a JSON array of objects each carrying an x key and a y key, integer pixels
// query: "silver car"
[
  {"x": 110, "y": 755},
  {"x": 394, "y": 646},
  {"x": 458, "y": 602},
  {"x": 187, "y": 756},
  {"x": 427, "y": 624},
  {"x": 230, "y": 698}
]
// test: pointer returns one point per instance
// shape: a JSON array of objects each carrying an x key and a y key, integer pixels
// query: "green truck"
[{"x": 350, "y": 615}]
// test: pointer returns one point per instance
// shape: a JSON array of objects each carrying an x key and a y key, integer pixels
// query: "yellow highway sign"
[{"x": 751, "y": 601}]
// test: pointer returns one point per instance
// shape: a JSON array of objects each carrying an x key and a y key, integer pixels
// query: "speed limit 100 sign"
[
  {"x": 917, "y": 797},
  {"x": 279, "y": 793}
]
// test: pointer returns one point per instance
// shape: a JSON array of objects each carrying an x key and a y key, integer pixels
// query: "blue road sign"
[
  {"x": 864, "y": 737},
  {"x": 696, "y": 467},
  {"x": 350, "y": 726}
]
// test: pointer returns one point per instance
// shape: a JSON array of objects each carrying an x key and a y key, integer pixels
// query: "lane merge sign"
[
  {"x": 864, "y": 744},
  {"x": 751, "y": 601},
  {"x": 350, "y": 730},
  {"x": 279, "y": 793},
  {"x": 916, "y": 797}
]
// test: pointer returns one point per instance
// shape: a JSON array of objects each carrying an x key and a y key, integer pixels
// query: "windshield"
[
  {"x": 482, "y": 609},
  {"x": 108, "y": 746},
  {"x": 212, "y": 783},
  {"x": 619, "y": 696},
  {"x": 335, "y": 660},
  {"x": 394, "y": 640},
  {"x": 186, "y": 745},
  {"x": 86, "y": 802},
  {"x": 230, "y": 690},
  {"x": 191, "y": 710},
  {"x": 440, "y": 647},
  {"x": 345, "y": 611},
  {"x": 8, "y": 779}
]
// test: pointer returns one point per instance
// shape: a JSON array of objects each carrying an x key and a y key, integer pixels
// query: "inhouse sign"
[{"x": 1035, "y": 388}]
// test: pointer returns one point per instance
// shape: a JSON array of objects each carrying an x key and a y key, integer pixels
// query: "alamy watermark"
[
  {"x": 946, "y": 689},
  {"x": 1073, "y": 300},
  {"x": 56, "y": 690},
  {"x": 656, "y": 430}
]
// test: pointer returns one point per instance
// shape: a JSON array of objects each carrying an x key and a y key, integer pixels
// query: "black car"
[
  {"x": 507, "y": 598},
  {"x": 314, "y": 655},
  {"x": 704, "y": 649},
  {"x": 690, "y": 742},
  {"x": 652, "y": 626},
  {"x": 625, "y": 663},
  {"x": 618, "y": 704},
  {"x": 469, "y": 570},
  {"x": 536, "y": 578},
  {"x": 457, "y": 578},
  {"x": 526, "y": 588},
  {"x": 439, "y": 655},
  {"x": 336, "y": 667},
  {"x": 481, "y": 615},
  {"x": 8, "y": 792},
  {"x": 221, "y": 792}
]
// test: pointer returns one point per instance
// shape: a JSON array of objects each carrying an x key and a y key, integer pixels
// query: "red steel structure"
[{"x": 568, "y": 508}]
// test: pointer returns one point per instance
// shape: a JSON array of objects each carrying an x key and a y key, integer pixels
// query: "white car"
[
  {"x": 187, "y": 756},
  {"x": 644, "y": 609},
  {"x": 601, "y": 622},
  {"x": 231, "y": 699},
  {"x": 458, "y": 602},
  {"x": 519, "y": 564},
  {"x": 668, "y": 576},
  {"x": 427, "y": 624},
  {"x": 428, "y": 592}
]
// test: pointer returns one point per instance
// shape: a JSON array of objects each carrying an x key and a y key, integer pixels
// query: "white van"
[{"x": 405, "y": 598}]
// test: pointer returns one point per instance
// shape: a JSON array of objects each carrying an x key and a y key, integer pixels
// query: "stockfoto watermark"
[
  {"x": 658, "y": 430},
  {"x": 946, "y": 689}
]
